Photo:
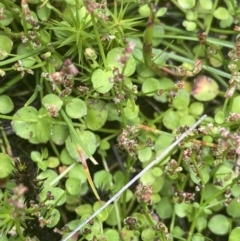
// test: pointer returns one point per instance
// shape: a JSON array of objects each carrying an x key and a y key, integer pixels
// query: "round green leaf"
[
  {"x": 53, "y": 162},
  {"x": 147, "y": 177},
  {"x": 5, "y": 46},
  {"x": 58, "y": 194},
  {"x": 73, "y": 186},
  {"x": 205, "y": 88},
  {"x": 48, "y": 176},
  {"x": 26, "y": 128},
  {"x": 205, "y": 174},
  {"x": 225, "y": 174},
  {"x": 163, "y": 141},
  {"x": 127, "y": 234},
  {"x": 183, "y": 209},
  {"x": 164, "y": 208},
  {"x": 102, "y": 216},
  {"x": 164, "y": 83},
  {"x": 6, "y": 104},
  {"x": 177, "y": 231},
  {"x": 36, "y": 156},
  {"x": 148, "y": 234},
  {"x": 233, "y": 209},
  {"x": 113, "y": 62},
  {"x": 6, "y": 166},
  {"x": 174, "y": 117},
  {"x": 43, "y": 12},
  {"x": 196, "y": 109},
  {"x": 221, "y": 13},
  {"x": 191, "y": 16},
  {"x": 55, "y": 217},
  {"x": 150, "y": 86},
  {"x": 112, "y": 234},
  {"x": 65, "y": 158},
  {"x": 187, "y": 120},
  {"x": 43, "y": 126},
  {"x": 102, "y": 179},
  {"x": 88, "y": 139},
  {"x": 59, "y": 134},
  {"x": 144, "y": 10},
  {"x": 198, "y": 237},
  {"x": 182, "y": 100},
  {"x": 84, "y": 209},
  {"x": 131, "y": 110},
  {"x": 189, "y": 25},
  {"x": 235, "y": 190},
  {"x": 234, "y": 235},
  {"x": 97, "y": 114},
  {"x": 111, "y": 219},
  {"x": 101, "y": 80},
  {"x": 225, "y": 23},
  {"x": 219, "y": 224},
  {"x": 216, "y": 60},
  {"x": 78, "y": 172},
  {"x": 206, "y": 4},
  {"x": 46, "y": 38},
  {"x": 186, "y": 4},
  {"x": 8, "y": 17},
  {"x": 104, "y": 145},
  {"x": 145, "y": 154},
  {"x": 26, "y": 62},
  {"x": 201, "y": 223},
  {"x": 235, "y": 104},
  {"x": 52, "y": 103},
  {"x": 76, "y": 108},
  {"x": 219, "y": 117}
]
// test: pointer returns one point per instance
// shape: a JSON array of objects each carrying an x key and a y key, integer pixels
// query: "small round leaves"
[{"x": 76, "y": 108}]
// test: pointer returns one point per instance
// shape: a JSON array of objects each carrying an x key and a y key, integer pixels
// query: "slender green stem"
[
  {"x": 11, "y": 82},
  {"x": 210, "y": 19},
  {"x": 199, "y": 211},
  {"x": 78, "y": 139},
  {"x": 99, "y": 42}
]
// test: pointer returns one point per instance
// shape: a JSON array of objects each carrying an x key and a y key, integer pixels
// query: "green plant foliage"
[
  {"x": 205, "y": 89},
  {"x": 76, "y": 108},
  {"x": 96, "y": 115},
  {"x": 233, "y": 208},
  {"x": 6, "y": 104},
  {"x": 8, "y": 16},
  {"x": 113, "y": 62},
  {"x": 131, "y": 110},
  {"x": 59, "y": 133},
  {"x": 219, "y": 224},
  {"x": 88, "y": 138},
  {"x": 150, "y": 86},
  {"x": 52, "y": 103},
  {"x": 92, "y": 92},
  {"x": 234, "y": 235},
  {"x": 145, "y": 154},
  {"x": 73, "y": 186},
  {"x": 5, "y": 46},
  {"x": 186, "y": 4},
  {"x": 6, "y": 165},
  {"x": 101, "y": 81},
  {"x": 164, "y": 208},
  {"x": 235, "y": 106},
  {"x": 174, "y": 117}
]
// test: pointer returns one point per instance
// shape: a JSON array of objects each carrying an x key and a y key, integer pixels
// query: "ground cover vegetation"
[{"x": 91, "y": 92}]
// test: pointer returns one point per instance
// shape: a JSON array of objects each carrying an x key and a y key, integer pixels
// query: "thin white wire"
[{"x": 156, "y": 160}]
